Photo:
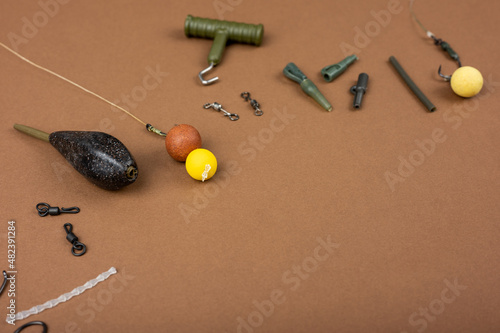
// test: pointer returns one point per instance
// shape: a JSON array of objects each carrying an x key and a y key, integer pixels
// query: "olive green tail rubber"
[{"x": 32, "y": 132}]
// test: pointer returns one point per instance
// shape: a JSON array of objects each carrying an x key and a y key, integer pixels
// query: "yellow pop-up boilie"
[
  {"x": 201, "y": 164},
  {"x": 466, "y": 81}
]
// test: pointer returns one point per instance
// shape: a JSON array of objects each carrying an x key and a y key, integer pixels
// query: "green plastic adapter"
[
  {"x": 221, "y": 32},
  {"x": 292, "y": 72},
  {"x": 331, "y": 72}
]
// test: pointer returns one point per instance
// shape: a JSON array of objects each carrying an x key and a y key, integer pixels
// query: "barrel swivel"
[{"x": 253, "y": 103}]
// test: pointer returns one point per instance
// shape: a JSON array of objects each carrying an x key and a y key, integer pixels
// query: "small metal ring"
[
  {"x": 32, "y": 323},
  {"x": 77, "y": 246},
  {"x": 207, "y": 106},
  {"x": 131, "y": 173},
  {"x": 245, "y": 95},
  {"x": 233, "y": 116}
]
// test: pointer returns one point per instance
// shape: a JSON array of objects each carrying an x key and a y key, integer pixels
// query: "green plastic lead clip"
[
  {"x": 331, "y": 72},
  {"x": 292, "y": 72}
]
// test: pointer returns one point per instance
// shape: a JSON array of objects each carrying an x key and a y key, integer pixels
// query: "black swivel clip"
[
  {"x": 44, "y": 209},
  {"x": 359, "y": 90},
  {"x": 78, "y": 248},
  {"x": 253, "y": 103}
]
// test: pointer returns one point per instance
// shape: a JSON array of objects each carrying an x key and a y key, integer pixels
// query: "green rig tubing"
[{"x": 414, "y": 88}]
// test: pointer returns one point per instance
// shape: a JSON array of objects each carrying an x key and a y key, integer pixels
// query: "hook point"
[{"x": 445, "y": 77}]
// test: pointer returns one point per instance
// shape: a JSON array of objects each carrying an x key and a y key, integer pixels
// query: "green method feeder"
[{"x": 221, "y": 32}]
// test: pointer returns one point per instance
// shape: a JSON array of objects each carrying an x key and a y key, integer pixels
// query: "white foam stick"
[{"x": 64, "y": 297}]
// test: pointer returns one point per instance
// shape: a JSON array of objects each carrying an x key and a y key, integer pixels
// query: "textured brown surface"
[
  {"x": 181, "y": 140},
  {"x": 203, "y": 257}
]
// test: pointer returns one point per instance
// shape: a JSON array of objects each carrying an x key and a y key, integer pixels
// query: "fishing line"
[
  {"x": 149, "y": 127},
  {"x": 465, "y": 81},
  {"x": 181, "y": 141},
  {"x": 437, "y": 41},
  {"x": 429, "y": 34}
]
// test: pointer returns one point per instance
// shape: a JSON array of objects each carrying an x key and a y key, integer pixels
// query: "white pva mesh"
[{"x": 65, "y": 297}]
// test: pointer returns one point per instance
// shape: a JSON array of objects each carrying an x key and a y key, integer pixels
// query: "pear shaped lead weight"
[{"x": 99, "y": 157}]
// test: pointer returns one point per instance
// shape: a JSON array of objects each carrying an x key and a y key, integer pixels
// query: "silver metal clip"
[{"x": 217, "y": 107}]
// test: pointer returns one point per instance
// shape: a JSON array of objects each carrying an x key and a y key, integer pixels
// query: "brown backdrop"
[{"x": 242, "y": 252}]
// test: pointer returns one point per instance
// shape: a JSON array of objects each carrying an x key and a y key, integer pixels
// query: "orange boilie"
[{"x": 181, "y": 140}]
